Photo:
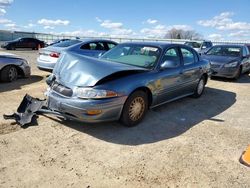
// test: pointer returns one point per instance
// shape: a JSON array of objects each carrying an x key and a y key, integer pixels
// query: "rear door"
[{"x": 191, "y": 71}]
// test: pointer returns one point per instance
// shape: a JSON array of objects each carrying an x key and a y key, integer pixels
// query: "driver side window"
[{"x": 172, "y": 55}]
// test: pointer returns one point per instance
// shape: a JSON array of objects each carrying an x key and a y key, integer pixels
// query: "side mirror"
[{"x": 168, "y": 65}]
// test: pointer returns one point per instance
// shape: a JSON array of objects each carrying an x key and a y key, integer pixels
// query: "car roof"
[
  {"x": 157, "y": 44},
  {"x": 96, "y": 40}
]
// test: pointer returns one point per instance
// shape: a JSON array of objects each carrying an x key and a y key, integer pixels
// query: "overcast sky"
[{"x": 214, "y": 19}]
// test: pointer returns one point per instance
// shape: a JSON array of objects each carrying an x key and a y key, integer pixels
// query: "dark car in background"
[
  {"x": 32, "y": 43},
  {"x": 200, "y": 46},
  {"x": 228, "y": 61},
  {"x": 90, "y": 47},
  {"x": 125, "y": 82}
]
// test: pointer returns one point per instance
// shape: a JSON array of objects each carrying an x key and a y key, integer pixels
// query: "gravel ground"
[{"x": 186, "y": 143}]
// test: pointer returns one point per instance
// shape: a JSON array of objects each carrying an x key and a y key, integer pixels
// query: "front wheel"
[
  {"x": 134, "y": 109},
  {"x": 200, "y": 87},
  {"x": 9, "y": 74}
]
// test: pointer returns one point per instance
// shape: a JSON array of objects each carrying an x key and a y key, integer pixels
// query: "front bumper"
[
  {"x": 224, "y": 72},
  {"x": 26, "y": 70},
  {"x": 75, "y": 108}
]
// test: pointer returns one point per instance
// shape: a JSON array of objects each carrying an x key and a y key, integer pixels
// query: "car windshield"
[
  {"x": 225, "y": 51},
  {"x": 193, "y": 44},
  {"x": 66, "y": 43},
  {"x": 133, "y": 54}
]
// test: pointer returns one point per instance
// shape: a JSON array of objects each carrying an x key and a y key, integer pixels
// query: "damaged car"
[
  {"x": 12, "y": 67},
  {"x": 125, "y": 82}
]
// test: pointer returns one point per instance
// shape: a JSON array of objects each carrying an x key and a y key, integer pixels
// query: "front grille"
[{"x": 62, "y": 89}]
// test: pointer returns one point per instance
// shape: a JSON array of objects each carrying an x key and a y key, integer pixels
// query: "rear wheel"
[
  {"x": 9, "y": 74},
  {"x": 134, "y": 109},
  {"x": 200, "y": 87}
]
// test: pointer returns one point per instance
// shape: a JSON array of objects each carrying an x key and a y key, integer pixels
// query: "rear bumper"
[
  {"x": 76, "y": 109},
  {"x": 44, "y": 65}
]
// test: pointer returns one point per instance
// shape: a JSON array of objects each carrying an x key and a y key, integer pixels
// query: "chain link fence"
[{"x": 11, "y": 35}]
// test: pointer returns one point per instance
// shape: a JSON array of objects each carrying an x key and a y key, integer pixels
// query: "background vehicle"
[
  {"x": 57, "y": 41},
  {"x": 49, "y": 55},
  {"x": 12, "y": 67},
  {"x": 32, "y": 43},
  {"x": 228, "y": 60},
  {"x": 126, "y": 81},
  {"x": 200, "y": 46},
  {"x": 92, "y": 47}
]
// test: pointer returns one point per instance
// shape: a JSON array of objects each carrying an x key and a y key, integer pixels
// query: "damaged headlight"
[
  {"x": 90, "y": 93},
  {"x": 232, "y": 64}
]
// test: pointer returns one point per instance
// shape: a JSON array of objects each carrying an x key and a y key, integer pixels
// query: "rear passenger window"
[
  {"x": 188, "y": 56},
  {"x": 111, "y": 45},
  {"x": 93, "y": 46},
  {"x": 172, "y": 55}
]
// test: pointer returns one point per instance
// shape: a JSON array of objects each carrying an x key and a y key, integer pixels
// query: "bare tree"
[{"x": 183, "y": 34}]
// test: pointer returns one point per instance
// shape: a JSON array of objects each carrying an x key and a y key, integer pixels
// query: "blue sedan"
[
  {"x": 125, "y": 82},
  {"x": 228, "y": 61}
]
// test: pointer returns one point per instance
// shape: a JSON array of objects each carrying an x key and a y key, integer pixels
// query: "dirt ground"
[{"x": 186, "y": 143}]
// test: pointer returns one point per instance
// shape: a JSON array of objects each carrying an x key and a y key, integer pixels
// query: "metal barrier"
[{"x": 11, "y": 35}]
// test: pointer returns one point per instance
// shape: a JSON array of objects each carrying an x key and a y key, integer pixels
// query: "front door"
[{"x": 168, "y": 82}]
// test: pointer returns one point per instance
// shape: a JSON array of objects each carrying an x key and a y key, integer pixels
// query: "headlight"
[
  {"x": 90, "y": 93},
  {"x": 233, "y": 64}
]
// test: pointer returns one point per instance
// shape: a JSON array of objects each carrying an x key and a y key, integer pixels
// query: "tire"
[
  {"x": 9, "y": 74},
  {"x": 237, "y": 76},
  {"x": 200, "y": 87},
  {"x": 134, "y": 109}
]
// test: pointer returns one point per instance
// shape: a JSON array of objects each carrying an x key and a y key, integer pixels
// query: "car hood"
[
  {"x": 78, "y": 70},
  {"x": 220, "y": 59}
]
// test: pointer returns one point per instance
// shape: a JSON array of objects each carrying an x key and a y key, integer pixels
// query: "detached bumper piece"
[{"x": 28, "y": 109}]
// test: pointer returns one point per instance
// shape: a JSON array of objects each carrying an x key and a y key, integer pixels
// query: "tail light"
[{"x": 54, "y": 54}]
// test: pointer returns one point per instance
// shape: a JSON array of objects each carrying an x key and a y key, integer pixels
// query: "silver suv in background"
[{"x": 200, "y": 46}]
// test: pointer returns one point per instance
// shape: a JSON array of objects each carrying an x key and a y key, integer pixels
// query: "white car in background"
[
  {"x": 200, "y": 46},
  {"x": 88, "y": 47},
  {"x": 48, "y": 56}
]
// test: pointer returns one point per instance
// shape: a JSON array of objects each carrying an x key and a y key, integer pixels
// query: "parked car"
[
  {"x": 228, "y": 61},
  {"x": 48, "y": 56},
  {"x": 12, "y": 67},
  {"x": 90, "y": 47},
  {"x": 200, "y": 46},
  {"x": 125, "y": 82},
  {"x": 32, "y": 43}
]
